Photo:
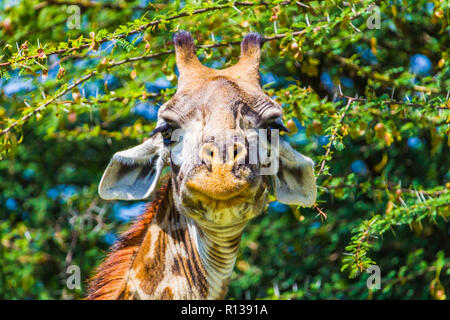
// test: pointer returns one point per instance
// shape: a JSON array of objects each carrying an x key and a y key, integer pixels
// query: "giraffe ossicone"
[{"x": 213, "y": 134}]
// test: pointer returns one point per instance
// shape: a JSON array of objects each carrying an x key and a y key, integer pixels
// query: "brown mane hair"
[{"x": 108, "y": 283}]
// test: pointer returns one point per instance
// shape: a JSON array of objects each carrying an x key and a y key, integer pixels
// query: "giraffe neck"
[
  {"x": 218, "y": 248},
  {"x": 170, "y": 257}
]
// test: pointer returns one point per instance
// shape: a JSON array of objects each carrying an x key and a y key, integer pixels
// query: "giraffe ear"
[
  {"x": 294, "y": 183},
  {"x": 134, "y": 173}
]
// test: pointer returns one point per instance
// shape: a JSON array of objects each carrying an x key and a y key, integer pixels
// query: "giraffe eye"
[
  {"x": 278, "y": 124},
  {"x": 166, "y": 130}
]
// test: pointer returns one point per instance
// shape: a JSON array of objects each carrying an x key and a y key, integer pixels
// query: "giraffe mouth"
[
  {"x": 221, "y": 185},
  {"x": 239, "y": 207},
  {"x": 217, "y": 202},
  {"x": 221, "y": 191},
  {"x": 219, "y": 194}
]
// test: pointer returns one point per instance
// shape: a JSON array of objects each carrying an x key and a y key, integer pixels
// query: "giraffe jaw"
[{"x": 216, "y": 212}]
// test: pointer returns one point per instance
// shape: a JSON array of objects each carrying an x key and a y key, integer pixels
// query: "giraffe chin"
[{"x": 234, "y": 210}]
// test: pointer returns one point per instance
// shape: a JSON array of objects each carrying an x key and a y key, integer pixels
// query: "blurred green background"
[{"x": 80, "y": 80}]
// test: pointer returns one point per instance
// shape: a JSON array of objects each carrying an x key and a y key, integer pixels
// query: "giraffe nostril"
[
  {"x": 238, "y": 149},
  {"x": 208, "y": 153},
  {"x": 239, "y": 152},
  {"x": 211, "y": 154}
]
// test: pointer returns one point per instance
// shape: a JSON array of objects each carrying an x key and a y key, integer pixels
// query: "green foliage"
[
  {"x": 370, "y": 106},
  {"x": 358, "y": 260}
]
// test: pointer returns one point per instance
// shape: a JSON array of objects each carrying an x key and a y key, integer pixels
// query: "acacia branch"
[
  {"x": 73, "y": 85},
  {"x": 45, "y": 105},
  {"x": 390, "y": 186},
  {"x": 333, "y": 136},
  {"x": 148, "y": 25},
  {"x": 390, "y": 102}
]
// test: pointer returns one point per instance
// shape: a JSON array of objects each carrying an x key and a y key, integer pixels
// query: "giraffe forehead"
[{"x": 218, "y": 98}]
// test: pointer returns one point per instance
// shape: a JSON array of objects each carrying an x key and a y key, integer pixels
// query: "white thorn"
[
  {"x": 421, "y": 194},
  {"x": 417, "y": 195},
  {"x": 18, "y": 49},
  {"x": 276, "y": 290},
  {"x": 303, "y": 5},
  {"x": 403, "y": 202},
  {"x": 237, "y": 9},
  {"x": 355, "y": 27}
]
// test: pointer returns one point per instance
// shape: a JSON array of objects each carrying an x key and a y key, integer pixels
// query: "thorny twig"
[
  {"x": 333, "y": 137},
  {"x": 145, "y": 27}
]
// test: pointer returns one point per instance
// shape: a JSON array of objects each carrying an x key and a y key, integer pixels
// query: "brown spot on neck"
[{"x": 167, "y": 294}]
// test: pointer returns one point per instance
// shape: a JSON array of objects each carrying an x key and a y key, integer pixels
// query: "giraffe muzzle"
[{"x": 220, "y": 182}]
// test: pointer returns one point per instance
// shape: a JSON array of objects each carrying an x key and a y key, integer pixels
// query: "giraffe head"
[{"x": 219, "y": 135}]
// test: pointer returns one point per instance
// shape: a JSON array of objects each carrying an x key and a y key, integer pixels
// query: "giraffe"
[{"x": 184, "y": 245}]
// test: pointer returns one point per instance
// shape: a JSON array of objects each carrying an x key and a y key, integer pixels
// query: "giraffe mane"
[{"x": 109, "y": 280}]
